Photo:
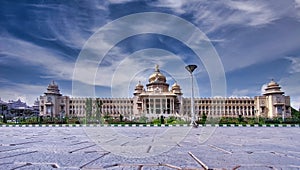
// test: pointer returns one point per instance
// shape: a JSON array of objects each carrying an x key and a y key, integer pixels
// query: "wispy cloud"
[
  {"x": 290, "y": 85},
  {"x": 140, "y": 65},
  {"x": 215, "y": 15},
  {"x": 262, "y": 89},
  {"x": 241, "y": 92},
  {"x": 120, "y": 1},
  {"x": 177, "y": 6},
  {"x": 295, "y": 64},
  {"x": 47, "y": 60},
  {"x": 25, "y": 92},
  {"x": 297, "y": 3}
]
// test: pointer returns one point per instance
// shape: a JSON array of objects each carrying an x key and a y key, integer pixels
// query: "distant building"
[
  {"x": 12, "y": 109},
  {"x": 3, "y": 108},
  {"x": 158, "y": 99}
]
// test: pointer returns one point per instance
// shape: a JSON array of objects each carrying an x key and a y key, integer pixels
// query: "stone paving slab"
[{"x": 218, "y": 147}]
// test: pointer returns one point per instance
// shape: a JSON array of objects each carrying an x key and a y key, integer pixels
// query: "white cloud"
[
  {"x": 120, "y": 1},
  {"x": 251, "y": 13},
  {"x": 46, "y": 59},
  {"x": 214, "y": 15},
  {"x": 109, "y": 35},
  {"x": 290, "y": 84},
  {"x": 295, "y": 65},
  {"x": 263, "y": 87},
  {"x": 176, "y": 6},
  {"x": 297, "y": 3},
  {"x": 241, "y": 92},
  {"x": 25, "y": 92},
  {"x": 140, "y": 65},
  {"x": 295, "y": 102}
]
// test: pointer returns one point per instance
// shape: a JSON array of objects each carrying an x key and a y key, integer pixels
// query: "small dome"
[
  {"x": 273, "y": 88},
  {"x": 53, "y": 89},
  {"x": 138, "y": 89},
  {"x": 139, "y": 85},
  {"x": 52, "y": 84},
  {"x": 175, "y": 86},
  {"x": 176, "y": 89},
  {"x": 273, "y": 83},
  {"x": 157, "y": 76}
]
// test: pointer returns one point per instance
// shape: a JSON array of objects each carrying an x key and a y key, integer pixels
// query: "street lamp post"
[
  {"x": 257, "y": 115},
  {"x": 283, "y": 111},
  {"x": 190, "y": 69}
]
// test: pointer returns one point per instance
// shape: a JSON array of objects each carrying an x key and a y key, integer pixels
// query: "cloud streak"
[
  {"x": 214, "y": 15},
  {"x": 25, "y": 92}
]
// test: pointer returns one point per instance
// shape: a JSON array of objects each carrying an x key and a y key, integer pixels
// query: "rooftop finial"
[{"x": 156, "y": 67}]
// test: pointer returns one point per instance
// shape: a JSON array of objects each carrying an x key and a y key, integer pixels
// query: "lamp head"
[{"x": 190, "y": 68}]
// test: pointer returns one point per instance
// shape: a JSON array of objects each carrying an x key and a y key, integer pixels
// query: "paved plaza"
[{"x": 149, "y": 148}]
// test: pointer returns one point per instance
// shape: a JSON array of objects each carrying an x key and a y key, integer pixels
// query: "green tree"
[
  {"x": 241, "y": 118},
  {"x": 156, "y": 121},
  {"x": 295, "y": 114},
  {"x": 162, "y": 119},
  {"x": 4, "y": 119},
  {"x": 88, "y": 108},
  {"x": 203, "y": 118},
  {"x": 99, "y": 104},
  {"x": 121, "y": 118},
  {"x": 171, "y": 119},
  {"x": 143, "y": 119}
]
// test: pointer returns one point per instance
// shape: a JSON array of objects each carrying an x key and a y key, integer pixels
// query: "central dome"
[{"x": 157, "y": 76}]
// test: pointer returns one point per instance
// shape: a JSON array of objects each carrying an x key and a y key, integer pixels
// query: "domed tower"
[
  {"x": 53, "y": 89},
  {"x": 273, "y": 88},
  {"x": 52, "y": 103},
  {"x": 157, "y": 82},
  {"x": 178, "y": 100},
  {"x": 273, "y": 103},
  {"x": 138, "y": 89},
  {"x": 157, "y": 100},
  {"x": 176, "y": 89}
]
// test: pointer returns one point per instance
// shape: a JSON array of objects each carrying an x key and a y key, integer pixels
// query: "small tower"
[
  {"x": 138, "y": 89},
  {"x": 273, "y": 103},
  {"x": 52, "y": 103},
  {"x": 178, "y": 100},
  {"x": 176, "y": 89}
]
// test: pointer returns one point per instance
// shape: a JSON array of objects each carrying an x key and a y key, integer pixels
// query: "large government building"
[{"x": 157, "y": 99}]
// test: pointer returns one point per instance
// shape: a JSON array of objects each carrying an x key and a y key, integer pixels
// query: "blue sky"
[{"x": 41, "y": 40}]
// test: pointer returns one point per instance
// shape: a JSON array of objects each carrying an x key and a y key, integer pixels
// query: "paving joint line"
[
  {"x": 203, "y": 165},
  {"x": 18, "y": 154},
  {"x": 94, "y": 160},
  {"x": 82, "y": 148},
  {"x": 24, "y": 165},
  {"x": 15, "y": 144},
  {"x": 140, "y": 166},
  {"x": 218, "y": 148}
]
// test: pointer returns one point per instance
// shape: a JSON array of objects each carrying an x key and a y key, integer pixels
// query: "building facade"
[
  {"x": 53, "y": 103},
  {"x": 273, "y": 103},
  {"x": 158, "y": 99},
  {"x": 17, "y": 109}
]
